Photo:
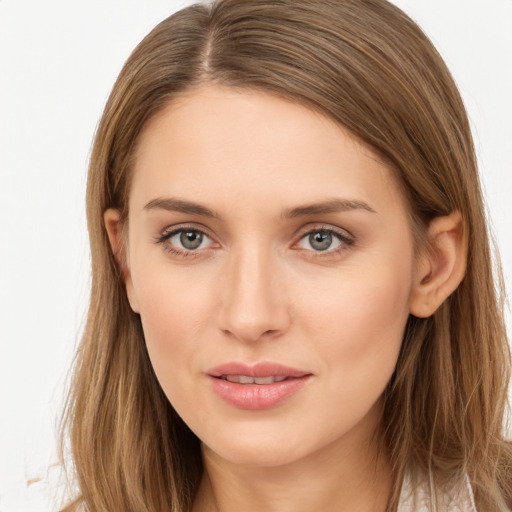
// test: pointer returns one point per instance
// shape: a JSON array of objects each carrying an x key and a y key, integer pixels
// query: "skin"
[{"x": 256, "y": 289}]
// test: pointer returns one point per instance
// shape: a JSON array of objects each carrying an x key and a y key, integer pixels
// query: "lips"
[
  {"x": 263, "y": 369},
  {"x": 246, "y": 379},
  {"x": 253, "y": 387}
]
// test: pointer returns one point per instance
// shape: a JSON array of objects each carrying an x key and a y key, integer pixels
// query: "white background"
[{"x": 58, "y": 61}]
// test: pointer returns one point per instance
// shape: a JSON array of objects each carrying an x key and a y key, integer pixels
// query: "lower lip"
[{"x": 257, "y": 396}]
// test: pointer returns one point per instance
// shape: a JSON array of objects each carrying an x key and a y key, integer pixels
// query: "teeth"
[
  {"x": 245, "y": 379},
  {"x": 264, "y": 380}
]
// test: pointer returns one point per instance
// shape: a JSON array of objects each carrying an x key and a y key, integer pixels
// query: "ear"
[
  {"x": 441, "y": 265},
  {"x": 114, "y": 227}
]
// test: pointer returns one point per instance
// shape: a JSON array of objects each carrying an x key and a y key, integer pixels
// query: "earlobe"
[
  {"x": 441, "y": 266},
  {"x": 114, "y": 227}
]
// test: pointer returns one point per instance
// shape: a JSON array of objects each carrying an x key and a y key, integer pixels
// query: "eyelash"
[
  {"x": 164, "y": 238},
  {"x": 346, "y": 241}
]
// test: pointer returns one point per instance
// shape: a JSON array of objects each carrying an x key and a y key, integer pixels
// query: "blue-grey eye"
[
  {"x": 321, "y": 240},
  {"x": 190, "y": 240},
  {"x": 185, "y": 241}
]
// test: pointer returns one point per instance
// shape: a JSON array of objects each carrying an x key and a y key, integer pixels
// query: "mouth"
[
  {"x": 258, "y": 373},
  {"x": 261, "y": 386},
  {"x": 247, "y": 379}
]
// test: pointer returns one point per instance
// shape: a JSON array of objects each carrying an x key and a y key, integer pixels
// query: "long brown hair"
[{"x": 366, "y": 65}]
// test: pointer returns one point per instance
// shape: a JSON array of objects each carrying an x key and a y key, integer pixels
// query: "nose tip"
[
  {"x": 250, "y": 329},
  {"x": 253, "y": 314},
  {"x": 253, "y": 306},
  {"x": 250, "y": 332}
]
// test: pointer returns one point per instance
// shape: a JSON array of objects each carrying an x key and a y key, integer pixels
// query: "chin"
[
  {"x": 269, "y": 449},
  {"x": 258, "y": 456}
]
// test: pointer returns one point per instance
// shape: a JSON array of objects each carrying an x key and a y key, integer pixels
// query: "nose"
[{"x": 253, "y": 298}]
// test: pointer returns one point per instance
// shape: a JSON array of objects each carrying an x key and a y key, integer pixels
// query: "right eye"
[
  {"x": 189, "y": 239},
  {"x": 184, "y": 241}
]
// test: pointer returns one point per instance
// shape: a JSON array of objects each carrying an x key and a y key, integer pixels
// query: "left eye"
[
  {"x": 189, "y": 239},
  {"x": 322, "y": 240}
]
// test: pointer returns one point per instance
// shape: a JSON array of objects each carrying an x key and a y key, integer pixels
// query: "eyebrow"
[
  {"x": 181, "y": 206},
  {"x": 324, "y": 207},
  {"x": 329, "y": 206}
]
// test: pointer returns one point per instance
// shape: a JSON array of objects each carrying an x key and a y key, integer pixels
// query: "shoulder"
[{"x": 415, "y": 497}]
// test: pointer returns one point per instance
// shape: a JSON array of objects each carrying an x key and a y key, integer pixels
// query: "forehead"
[{"x": 218, "y": 143}]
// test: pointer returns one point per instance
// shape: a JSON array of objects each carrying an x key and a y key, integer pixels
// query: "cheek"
[
  {"x": 358, "y": 328},
  {"x": 174, "y": 309},
  {"x": 376, "y": 307}
]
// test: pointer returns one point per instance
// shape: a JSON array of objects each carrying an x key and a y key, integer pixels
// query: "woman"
[{"x": 292, "y": 301}]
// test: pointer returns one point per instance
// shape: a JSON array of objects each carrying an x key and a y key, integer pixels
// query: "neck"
[{"x": 350, "y": 474}]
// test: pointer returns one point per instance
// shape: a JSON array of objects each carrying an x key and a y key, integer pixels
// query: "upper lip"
[{"x": 262, "y": 369}]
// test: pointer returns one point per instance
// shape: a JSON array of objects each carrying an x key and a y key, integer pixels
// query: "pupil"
[
  {"x": 320, "y": 241},
  {"x": 191, "y": 239}
]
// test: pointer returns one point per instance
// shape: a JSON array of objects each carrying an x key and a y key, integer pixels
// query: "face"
[{"x": 271, "y": 260}]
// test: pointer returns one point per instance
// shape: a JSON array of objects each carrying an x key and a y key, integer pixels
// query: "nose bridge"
[{"x": 253, "y": 304}]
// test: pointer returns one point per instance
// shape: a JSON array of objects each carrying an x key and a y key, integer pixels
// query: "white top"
[{"x": 416, "y": 498}]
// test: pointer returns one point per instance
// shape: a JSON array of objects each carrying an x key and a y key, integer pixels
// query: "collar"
[{"x": 415, "y": 497}]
